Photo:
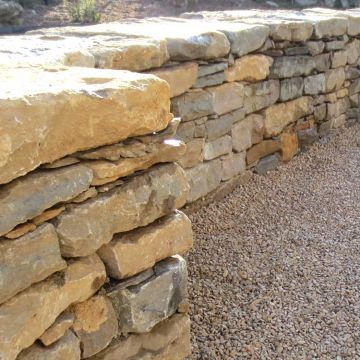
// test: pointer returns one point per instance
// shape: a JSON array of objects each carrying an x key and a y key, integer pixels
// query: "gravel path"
[{"x": 275, "y": 272}]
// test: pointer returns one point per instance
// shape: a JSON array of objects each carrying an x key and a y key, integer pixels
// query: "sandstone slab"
[
  {"x": 250, "y": 68},
  {"x": 95, "y": 324},
  {"x": 26, "y": 316},
  {"x": 28, "y": 259},
  {"x": 114, "y": 105},
  {"x": 194, "y": 153},
  {"x": 85, "y": 227},
  {"x": 280, "y": 115},
  {"x": 139, "y": 308},
  {"x": 179, "y": 77},
  {"x": 58, "y": 329},
  {"x": 289, "y": 146},
  {"x": 27, "y": 197},
  {"x": 133, "y": 252},
  {"x": 261, "y": 150},
  {"x": 334, "y": 79},
  {"x": 66, "y": 348},
  {"x": 247, "y": 132}
]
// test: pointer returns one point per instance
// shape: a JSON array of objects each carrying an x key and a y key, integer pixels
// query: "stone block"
[
  {"x": 212, "y": 68},
  {"x": 261, "y": 150},
  {"x": 210, "y": 80},
  {"x": 353, "y": 51},
  {"x": 322, "y": 62},
  {"x": 315, "y": 84},
  {"x": 217, "y": 147},
  {"x": 194, "y": 153},
  {"x": 307, "y": 137},
  {"x": 135, "y": 251},
  {"x": 320, "y": 112},
  {"x": 291, "y": 66},
  {"x": 289, "y": 146},
  {"x": 218, "y": 127},
  {"x": 232, "y": 165},
  {"x": 336, "y": 109},
  {"x": 85, "y": 227},
  {"x": 267, "y": 164},
  {"x": 291, "y": 88},
  {"x": 334, "y": 79}
]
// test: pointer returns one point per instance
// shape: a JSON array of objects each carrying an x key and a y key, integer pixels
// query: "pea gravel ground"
[{"x": 275, "y": 271}]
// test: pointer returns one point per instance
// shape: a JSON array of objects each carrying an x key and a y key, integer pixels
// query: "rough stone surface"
[
  {"x": 261, "y": 150},
  {"x": 85, "y": 227},
  {"x": 26, "y": 316},
  {"x": 212, "y": 68},
  {"x": 334, "y": 79},
  {"x": 291, "y": 66},
  {"x": 315, "y": 84},
  {"x": 10, "y": 12},
  {"x": 289, "y": 146},
  {"x": 149, "y": 345},
  {"x": 57, "y": 329},
  {"x": 210, "y": 80},
  {"x": 249, "y": 68},
  {"x": 232, "y": 165},
  {"x": 27, "y": 197},
  {"x": 194, "y": 153},
  {"x": 122, "y": 101},
  {"x": 279, "y": 115},
  {"x": 247, "y": 132},
  {"x": 95, "y": 324},
  {"x": 291, "y": 88},
  {"x": 130, "y": 253},
  {"x": 218, "y": 147},
  {"x": 267, "y": 164},
  {"x": 218, "y": 127},
  {"x": 67, "y": 348},
  {"x": 139, "y": 308},
  {"x": 203, "y": 178},
  {"x": 179, "y": 77},
  {"x": 28, "y": 259}
]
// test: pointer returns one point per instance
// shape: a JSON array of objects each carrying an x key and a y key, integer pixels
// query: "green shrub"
[{"x": 83, "y": 11}]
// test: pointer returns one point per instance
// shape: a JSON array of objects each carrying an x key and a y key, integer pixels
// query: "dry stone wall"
[{"x": 95, "y": 161}]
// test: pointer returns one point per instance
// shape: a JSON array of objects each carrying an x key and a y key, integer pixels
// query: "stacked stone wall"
[{"x": 95, "y": 160}]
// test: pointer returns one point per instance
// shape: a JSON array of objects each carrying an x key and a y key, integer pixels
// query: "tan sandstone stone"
[
  {"x": 179, "y": 77},
  {"x": 85, "y": 227},
  {"x": 28, "y": 259},
  {"x": 20, "y": 230},
  {"x": 194, "y": 153},
  {"x": 67, "y": 348},
  {"x": 114, "y": 105},
  {"x": 95, "y": 324},
  {"x": 232, "y": 165},
  {"x": 289, "y": 146},
  {"x": 278, "y": 116},
  {"x": 47, "y": 215},
  {"x": 26, "y": 316},
  {"x": 249, "y": 68},
  {"x": 130, "y": 253},
  {"x": 261, "y": 150},
  {"x": 57, "y": 330}
]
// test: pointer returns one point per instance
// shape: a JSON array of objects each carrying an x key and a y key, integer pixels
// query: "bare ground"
[{"x": 275, "y": 272}]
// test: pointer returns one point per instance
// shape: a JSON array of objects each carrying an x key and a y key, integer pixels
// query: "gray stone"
[
  {"x": 322, "y": 62},
  {"x": 204, "y": 70},
  {"x": 210, "y": 80},
  {"x": 353, "y": 51},
  {"x": 29, "y": 196},
  {"x": 354, "y": 100},
  {"x": 339, "y": 58},
  {"x": 85, "y": 227},
  {"x": 232, "y": 165},
  {"x": 217, "y": 147},
  {"x": 315, "y": 47},
  {"x": 194, "y": 153},
  {"x": 352, "y": 73},
  {"x": 10, "y": 12},
  {"x": 315, "y": 84},
  {"x": 203, "y": 179},
  {"x": 67, "y": 348},
  {"x": 291, "y": 66},
  {"x": 354, "y": 87},
  {"x": 353, "y": 113},
  {"x": 186, "y": 131},
  {"x": 306, "y": 2},
  {"x": 298, "y": 50},
  {"x": 335, "y": 45},
  {"x": 261, "y": 95},
  {"x": 336, "y": 109},
  {"x": 307, "y": 137},
  {"x": 267, "y": 164},
  {"x": 320, "y": 112},
  {"x": 139, "y": 308},
  {"x": 291, "y": 88},
  {"x": 192, "y": 105},
  {"x": 335, "y": 79},
  {"x": 218, "y": 127},
  {"x": 28, "y": 259}
]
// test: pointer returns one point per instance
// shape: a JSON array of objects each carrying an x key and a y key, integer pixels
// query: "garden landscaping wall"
[{"x": 95, "y": 161}]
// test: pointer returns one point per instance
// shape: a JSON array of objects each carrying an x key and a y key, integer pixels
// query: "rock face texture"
[{"x": 107, "y": 130}]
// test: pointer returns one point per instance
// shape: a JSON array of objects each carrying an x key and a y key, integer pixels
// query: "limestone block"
[
  {"x": 339, "y": 58},
  {"x": 27, "y": 197},
  {"x": 289, "y": 146},
  {"x": 167, "y": 332},
  {"x": 217, "y": 147},
  {"x": 95, "y": 324},
  {"x": 67, "y": 348},
  {"x": 192, "y": 105},
  {"x": 247, "y": 132},
  {"x": 315, "y": 84},
  {"x": 210, "y": 80},
  {"x": 203, "y": 179},
  {"x": 261, "y": 150},
  {"x": 212, "y": 68},
  {"x": 57, "y": 330},
  {"x": 291, "y": 66},
  {"x": 107, "y": 171},
  {"x": 226, "y": 97},
  {"x": 114, "y": 105},
  {"x": 278, "y": 116},
  {"x": 140, "y": 307},
  {"x": 336, "y": 109},
  {"x": 334, "y": 79},
  {"x": 194, "y": 153},
  {"x": 250, "y": 68},
  {"x": 218, "y": 127},
  {"x": 85, "y": 227},
  {"x": 28, "y": 259},
  {"x": 261, "y": 95},
  {"x": 232, "y": 165},
  {"x": 291, "y": 88},
  {"x": 130, "y": 253},
  {"x": 26, "y": 316},
  {"x": 179, "y": 77}
]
